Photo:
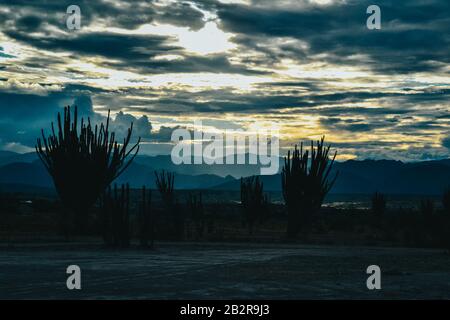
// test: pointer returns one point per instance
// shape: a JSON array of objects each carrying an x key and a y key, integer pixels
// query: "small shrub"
[{"x": 253, "y": 201}]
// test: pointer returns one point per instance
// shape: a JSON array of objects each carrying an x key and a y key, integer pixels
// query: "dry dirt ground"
[{"x": 223, "y": 271}]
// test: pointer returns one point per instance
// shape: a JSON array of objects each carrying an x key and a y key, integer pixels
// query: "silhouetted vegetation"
[
  {"x": 195, "y": 205},
  {"x": 9, "y": 204},
  {"x": 165, "y": 185},
  {"x": 83, "y": 162},
  {"x": 253, "y": 201},
  {"x": 116, "y": 216},
  {"x": 146, "y": 220},
  {"x": 9, "y": 208},
  {"x": 221, "y": 217},
  {"x": 378, "y": 203},
  {"x": 305, "y": 183}
]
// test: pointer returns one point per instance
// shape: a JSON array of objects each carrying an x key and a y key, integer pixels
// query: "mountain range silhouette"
[{"x": 22, "y": 172}]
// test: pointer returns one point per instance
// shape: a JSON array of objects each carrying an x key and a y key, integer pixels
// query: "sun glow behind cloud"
[{"x": 209, "y": 39}]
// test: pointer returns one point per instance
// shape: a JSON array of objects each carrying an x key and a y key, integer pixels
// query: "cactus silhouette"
[
  {"x": 378, "y": 204},
  {"x": 83, "y": 161},
  {"x": 165, "y": 185},
  {"x": 195, "y": 204},
  {"x": 253, "y": 201},
  {"x": 146, "y": 220},
  {"x": 305, "y": 183},
  {"x": 116, "y": 216}
]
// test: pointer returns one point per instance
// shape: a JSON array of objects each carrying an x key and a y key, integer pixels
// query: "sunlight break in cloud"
[{"x": 209, "y": 39}]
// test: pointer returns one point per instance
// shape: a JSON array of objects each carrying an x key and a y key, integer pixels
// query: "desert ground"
[{"x": 222, "y": 271}]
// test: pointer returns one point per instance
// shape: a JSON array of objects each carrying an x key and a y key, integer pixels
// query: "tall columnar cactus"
[
  {"x": 165, "y": 182},
  {"x": 253, "y": 200},
  {"x": 305, "y": 183},
  {"x": 146, "y": 220},
  {"x": 195, "y": 204},
  {"x": 83, "y": 160},
  {"x": 116, "y": 216},
  {"x": 378, "y": 204}
]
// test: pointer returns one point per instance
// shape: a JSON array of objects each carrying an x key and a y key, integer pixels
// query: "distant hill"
[
  {"x": 158, "y": 162},
  {"x": 8, "y": 157},
  {"x": 368, "y": 176},
  {"x": 6, "y": 154},
  {"x": 224, "y": 170},
  {"x": 355, "y": 177},
  {"x": 138, "y": 175},
  {"x": 34, "y": 174}
]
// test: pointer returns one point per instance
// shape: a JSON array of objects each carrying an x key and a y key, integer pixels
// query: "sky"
[{"x": 312, "y": 67}]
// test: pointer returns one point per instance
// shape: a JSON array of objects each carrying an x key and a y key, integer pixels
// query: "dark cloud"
[
  {"x": 212, "y": 63},
  {"x": 24, "y": 115},
  {"x": 351, "y": 125},
  {"x": 126, "y": 14},
  {"x": 136, "y": 53},
  {"x": 413, "y": 38},
  {"x": 29, "y": 23},
  {"x": 133, "y": 52},
  {"x": 420, "y": 126},
  {"x": 226, "y": 100},
  {"x": 446, "y": 142},
  {"x": 108, "y": 45},
  {"x": 181, "y": 14}
]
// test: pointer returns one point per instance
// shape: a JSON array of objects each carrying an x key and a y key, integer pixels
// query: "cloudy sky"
[{"x": 310, "y": 66}]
